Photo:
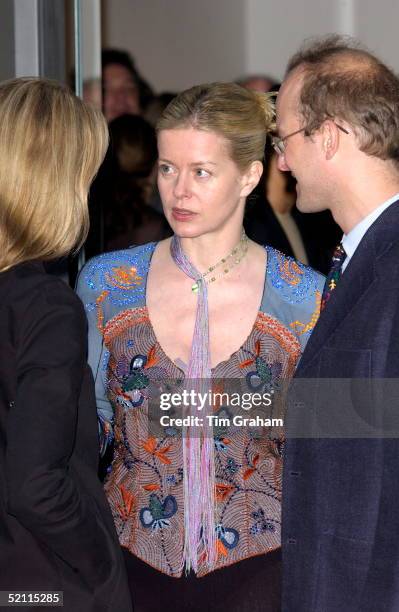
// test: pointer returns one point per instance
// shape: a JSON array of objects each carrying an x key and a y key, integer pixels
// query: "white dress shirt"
[{"x": 351, "y": 241}]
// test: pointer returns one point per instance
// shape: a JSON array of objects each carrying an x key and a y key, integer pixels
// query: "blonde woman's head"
[
  {"x": 51, "y": 145},
  {"x": 242, "y": 116}
]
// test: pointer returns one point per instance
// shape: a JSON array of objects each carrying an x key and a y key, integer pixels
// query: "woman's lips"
[{"x": 182, "y": 214}]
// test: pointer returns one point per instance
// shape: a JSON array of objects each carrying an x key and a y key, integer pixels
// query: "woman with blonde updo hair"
[
  {"x": 57, "y": 538},
  {"x": 194, "y": 486}
]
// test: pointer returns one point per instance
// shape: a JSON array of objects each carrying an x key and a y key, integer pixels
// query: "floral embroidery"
[
  {"x": 304, "y": 328},
  {"x": 294, "y": 281},
  {"x": 227, "y": 539},
  {"x": 270, "y": 326},
  {"x": 126, "y": 508},
  {"x": 131, "y": 380},
  {"x": 266, "y": 375},
  {"x": 123, "y": 321},
  {"x": 151, "y": 487},
  {"x": 175, "y": 479},
  {"x": 261, "y": 523},
  {"x": 290, "y": 271},
  {"x": 121, "y": 274},
  {"x": 123, "y": 277},
  {"x": 157, "y": 514},
  {"x": 231, "y": 466},
  {"x": 249, "y": 471},
  {"x": 151, "y": 446},
  {"x": 222, "y": 491}
]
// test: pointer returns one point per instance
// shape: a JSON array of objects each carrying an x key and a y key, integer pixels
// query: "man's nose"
[{"x": 282, "y": 164}]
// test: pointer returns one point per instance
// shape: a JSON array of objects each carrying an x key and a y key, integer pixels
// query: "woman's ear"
[{"x": 251, "y": 177}]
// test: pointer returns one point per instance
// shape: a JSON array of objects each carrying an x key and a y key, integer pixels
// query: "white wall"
[
  {"x": 276, "y": 29},
  {"x": 177, "y": 43},
  {"x": 377, "y": 25}
]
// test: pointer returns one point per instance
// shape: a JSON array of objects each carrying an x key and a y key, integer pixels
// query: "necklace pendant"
[{"x": 194, "y": 287}]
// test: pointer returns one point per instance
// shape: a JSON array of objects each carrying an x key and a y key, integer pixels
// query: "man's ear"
[
  {"x": 330, "y": 138},
  {"x": 251, "y": 178}
]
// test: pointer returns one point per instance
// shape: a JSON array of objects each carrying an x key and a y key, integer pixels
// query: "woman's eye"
[
  {"x": 165, "y": 169},
  {"x": 201, "y": 173}
]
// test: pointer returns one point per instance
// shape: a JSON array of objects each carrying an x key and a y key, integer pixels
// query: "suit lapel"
[{"x": 355, "y": 281}]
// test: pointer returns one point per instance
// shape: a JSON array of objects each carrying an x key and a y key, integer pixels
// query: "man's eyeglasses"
[{"x": 278, "y": 144}]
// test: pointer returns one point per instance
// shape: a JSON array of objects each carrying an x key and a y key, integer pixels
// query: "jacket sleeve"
[{"x": 43, "y": 491}]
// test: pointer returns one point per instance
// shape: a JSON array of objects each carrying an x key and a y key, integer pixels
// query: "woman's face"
[
  {"x": 201, "y": 187},
  {"x": 121, "y": 95}
]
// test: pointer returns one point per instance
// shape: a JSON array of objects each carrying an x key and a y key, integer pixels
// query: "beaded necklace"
[{"x": 229, "y": 262}]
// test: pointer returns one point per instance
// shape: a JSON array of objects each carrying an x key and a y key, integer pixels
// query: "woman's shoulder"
[
  {"x": 292, "y": 280},
  {"x": 34, "y": 297},
  {"x": 28, "y": 281},
  {"x": 293, "y": 294},
  {"x": 117, "y": 277}
]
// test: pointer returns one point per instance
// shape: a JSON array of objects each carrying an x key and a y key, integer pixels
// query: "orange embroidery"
[
  {"x": 289, "y": 270},
  {"x": 128, "y": 500},
  {"x": 268, "y": 325},
  {"x": 151, "y": 447},
  {"x": 122, "y": 321},
  {"x": 249, "y": 362},
  {"x": 302, "y": 328},
  {"x": 151, "y": 487},
  {"x": 221, "y": 549},
  {"x": 100, "y": 313},
  {"x": 222, "y": 491},
  {"x": 251, "y": 470},
  {"x": 123, "y": 277},
  {"x": 226, "y": 441},
  {"x": 152, "y": 359},
  {"x": 248, "y": 473},
  {"x": 246, "y": 363}
]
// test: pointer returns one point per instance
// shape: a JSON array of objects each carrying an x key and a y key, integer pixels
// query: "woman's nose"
[{"x": 182, "y": 186}]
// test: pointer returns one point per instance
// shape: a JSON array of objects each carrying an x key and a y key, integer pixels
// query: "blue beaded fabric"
[{"x": 145, "y": 485}]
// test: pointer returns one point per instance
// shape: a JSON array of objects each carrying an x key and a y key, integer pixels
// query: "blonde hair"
[
  {"x": 51, "y": 145},
  {"x": 242, "y": 116}
]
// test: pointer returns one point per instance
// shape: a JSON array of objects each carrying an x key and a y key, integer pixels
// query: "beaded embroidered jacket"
[{"x": 145, "y": 484}]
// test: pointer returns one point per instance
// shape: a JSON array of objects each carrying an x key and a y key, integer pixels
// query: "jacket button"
[
  {"x": 292, "y": 541},
  {"x": 11, "y": 404},
  {"x": 295, "y": 473}
]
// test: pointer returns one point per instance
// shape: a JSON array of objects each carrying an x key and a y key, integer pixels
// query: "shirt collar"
[{"x": 351, "y": 241}]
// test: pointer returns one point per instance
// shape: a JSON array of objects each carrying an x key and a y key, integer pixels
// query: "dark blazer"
[
  {"x": 56, "y": 530},
  {"x": 340, "y": 495}
]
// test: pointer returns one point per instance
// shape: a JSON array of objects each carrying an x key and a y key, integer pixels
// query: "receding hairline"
[{"x": 352, "y": 60}]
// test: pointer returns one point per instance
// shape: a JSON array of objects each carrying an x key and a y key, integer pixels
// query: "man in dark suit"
[{"x": 338, "y": 127}]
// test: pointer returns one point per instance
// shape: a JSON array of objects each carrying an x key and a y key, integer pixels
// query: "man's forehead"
[{"x": 288, "y": 96}]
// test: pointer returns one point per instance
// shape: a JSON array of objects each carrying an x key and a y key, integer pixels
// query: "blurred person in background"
[
  {"x": 157, "y": 105},
  {"x": 125, "y": 91},
  {"x": 258, "y": 82},
  {"x": 128, "y": 177}
]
